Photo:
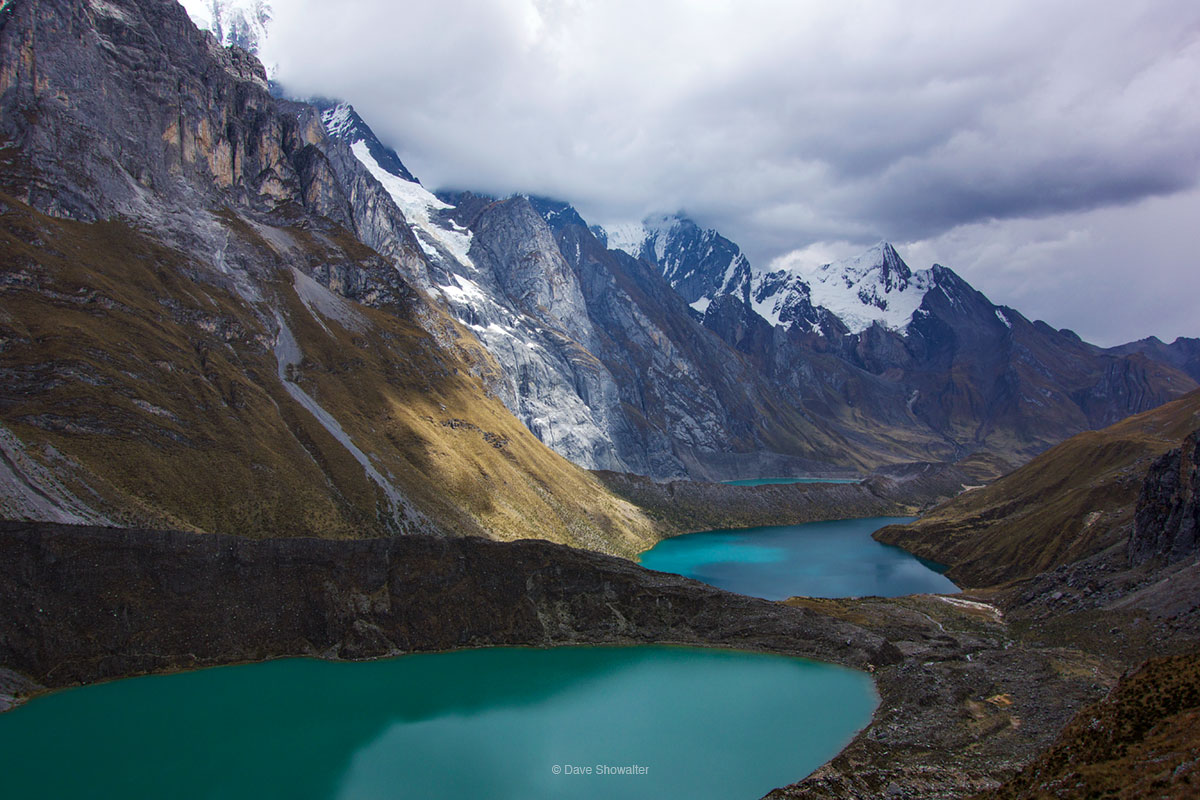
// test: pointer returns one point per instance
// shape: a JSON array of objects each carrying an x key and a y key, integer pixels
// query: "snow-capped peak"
[
  {"x": 627, "y": 237},
  {"x": 440, "y": 237},
  {"x": 874, "y": 287}
]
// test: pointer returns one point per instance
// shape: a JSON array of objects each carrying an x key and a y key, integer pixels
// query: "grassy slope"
[
  {"x": 151, "y": 388},
  {"x": 1072, "y": 501}
]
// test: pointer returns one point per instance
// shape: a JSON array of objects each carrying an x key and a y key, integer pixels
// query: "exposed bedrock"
[{"x": 1167, "y": 520}]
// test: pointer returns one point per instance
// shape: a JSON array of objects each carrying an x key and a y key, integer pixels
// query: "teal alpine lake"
[
  {"x": 817, "y": 559},
  {"x": 785, "y": 481},
  {"x": 581, "y": 722}
]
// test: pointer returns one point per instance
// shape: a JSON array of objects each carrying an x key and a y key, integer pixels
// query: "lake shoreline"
[
  {"x": 684, "y": 506},
  {"x": 831, "y": 558},
  {"x": 89, "y": 604}
]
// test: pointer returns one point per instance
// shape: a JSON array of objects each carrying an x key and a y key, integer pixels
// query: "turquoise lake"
[
  {"x": 785, "y": 481},
  {"x": 494, "y": 723},
  {"x": 817, "y": 559}
]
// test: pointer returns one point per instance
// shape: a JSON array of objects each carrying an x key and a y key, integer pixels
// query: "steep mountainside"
[
  {"x": 1074, "y": 501},
  {"x": 194, "y": 333},
  {"x": 598, "y": 357},
  {"x": 860, "y": 364}
]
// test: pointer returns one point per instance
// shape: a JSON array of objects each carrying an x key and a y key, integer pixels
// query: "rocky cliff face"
[{"x": 1167, "y": 521}]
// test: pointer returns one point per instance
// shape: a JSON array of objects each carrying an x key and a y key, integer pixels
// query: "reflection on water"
[{"x": 483, "y": 723}]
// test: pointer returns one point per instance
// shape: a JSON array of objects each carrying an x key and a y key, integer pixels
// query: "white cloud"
[{"x": 792, "y": 125}]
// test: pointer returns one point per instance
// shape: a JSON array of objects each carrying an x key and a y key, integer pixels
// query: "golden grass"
[{"x": 142, "y": 366}]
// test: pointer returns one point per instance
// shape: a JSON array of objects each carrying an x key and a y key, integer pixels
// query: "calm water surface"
[
  {"x": 474, "y": 724},
  {"x": 817, "y": 559},
  {"x": 774, "y": 481}
]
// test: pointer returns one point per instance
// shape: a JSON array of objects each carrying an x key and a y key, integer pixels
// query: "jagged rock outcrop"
[{"x": 1167, "y": 520}]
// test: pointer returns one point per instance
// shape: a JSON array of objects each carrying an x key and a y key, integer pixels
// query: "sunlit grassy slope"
[{"x": 147, "y": 383}]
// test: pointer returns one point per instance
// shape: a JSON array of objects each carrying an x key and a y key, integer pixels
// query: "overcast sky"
[{"x": 1047, "y": 151}]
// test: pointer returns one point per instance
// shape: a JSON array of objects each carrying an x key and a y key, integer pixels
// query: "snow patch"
[
  {"x": 465, "y": 292},
  {"x": 626, "y": 237},
  {"x": 1003, "y": 318},
  {"x": 702, "y": 304},
  {"x": 243, "y": 23},
  {"x": 418, "y": 204},
  {"x": 338, "y": 120}
]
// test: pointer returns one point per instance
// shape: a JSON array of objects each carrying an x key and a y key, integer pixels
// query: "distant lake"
[
  {"x": 817, "y": 559},
  {"x": 775, "y": 481},
  {"x": 494, "y": 723}
]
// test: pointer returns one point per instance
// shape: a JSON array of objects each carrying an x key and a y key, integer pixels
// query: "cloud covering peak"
[{"x": 798, "y": 127}]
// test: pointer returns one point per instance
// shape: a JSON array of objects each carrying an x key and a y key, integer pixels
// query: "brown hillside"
[
  {"x": 1072, "y": 501},
  {"x": 1143, "y": 740},
  {"x": 148, "y": 387}
]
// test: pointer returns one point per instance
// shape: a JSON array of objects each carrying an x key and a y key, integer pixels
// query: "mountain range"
[
  {"x": 328, "y": 296},
  {"x": 845, "y": 367}
]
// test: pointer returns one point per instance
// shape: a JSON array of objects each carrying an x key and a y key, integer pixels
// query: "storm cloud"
[{"x": 1048, "y": 151}]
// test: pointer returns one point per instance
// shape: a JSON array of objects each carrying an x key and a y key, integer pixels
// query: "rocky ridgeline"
[{"x": 86, "y": 604}]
